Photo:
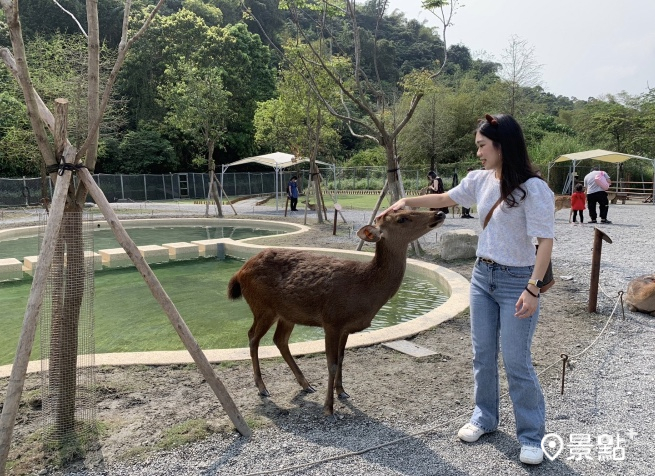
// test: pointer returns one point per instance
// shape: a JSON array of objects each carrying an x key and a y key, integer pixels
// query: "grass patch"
[
  {"x": 358, "y": 202},
  {"x": 183, "y": 433},
  {"x": 135, "y": 453}
]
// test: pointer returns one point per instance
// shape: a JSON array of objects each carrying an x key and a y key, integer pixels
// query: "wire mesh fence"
[
  {"x": 67, "y": 342},
  {"x": 195, "y": 186}
]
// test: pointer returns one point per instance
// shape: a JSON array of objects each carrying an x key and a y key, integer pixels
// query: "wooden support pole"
[
  {"x": 337, "y": 209},
  {"x": 167, "y": 305},
  {"x": 375, "y": 210},
  {"x": 30, "y": 320},
  {"x": 228, "y": 198},
  {"x": 599, "y": 237}
]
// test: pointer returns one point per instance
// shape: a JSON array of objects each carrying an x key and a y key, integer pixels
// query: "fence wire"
[
  {"x": 67, "y": 342},
  {"x": 194, "y": 186}
]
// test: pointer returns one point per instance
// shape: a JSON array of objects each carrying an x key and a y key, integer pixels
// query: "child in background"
[{"x": 578, "y": 200}]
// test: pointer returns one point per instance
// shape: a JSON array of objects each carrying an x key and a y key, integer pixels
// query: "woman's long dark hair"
[{"x": 506, "y": 133}]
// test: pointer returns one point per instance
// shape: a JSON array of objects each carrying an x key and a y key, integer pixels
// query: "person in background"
[
  {"x": 466, "y": 212},
  {"x": 578, "y": 200},
  {"x": 292, "y": 193},
  {"x": 506, "y": 279},
  {"x": 435, "y": 185},
  {"x": 596, "y": 195}
]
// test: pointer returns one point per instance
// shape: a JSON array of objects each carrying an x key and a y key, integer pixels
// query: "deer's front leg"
[{"x": 338, "y": 382}]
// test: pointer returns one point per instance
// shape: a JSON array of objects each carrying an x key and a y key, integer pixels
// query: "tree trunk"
[
  {"x": 68, "y": 289},
  {"x": 393, "y": 172}
]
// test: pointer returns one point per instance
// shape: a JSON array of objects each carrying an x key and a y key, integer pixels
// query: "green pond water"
[{"x": 128, "y": 319}]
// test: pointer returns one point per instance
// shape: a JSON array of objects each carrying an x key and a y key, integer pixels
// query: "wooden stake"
[
  {"x": 167, "y": 305},
  {"x": 30, "y": 320},
  {"x": 599, "y": 237}
]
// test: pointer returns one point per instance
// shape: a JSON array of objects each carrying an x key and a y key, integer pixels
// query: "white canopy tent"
[
  {"x": 601, "y": 155},
  {"x": 279, "y": 161}
]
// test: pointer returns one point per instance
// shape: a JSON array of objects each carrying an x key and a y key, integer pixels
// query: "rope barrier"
[{"x": 434, "y": 428}]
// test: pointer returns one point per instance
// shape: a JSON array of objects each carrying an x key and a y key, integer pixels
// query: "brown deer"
[{"x": 341, "y": 296}]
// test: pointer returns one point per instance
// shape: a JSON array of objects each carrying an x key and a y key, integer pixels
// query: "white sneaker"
[
  {"x": 470, "y": 433},
  {"x": 531, "y": 455}
]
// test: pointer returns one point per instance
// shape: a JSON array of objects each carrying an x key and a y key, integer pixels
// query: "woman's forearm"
[
  {"x": 441, "y": 200},
  {"x": 543, "y": 257}
]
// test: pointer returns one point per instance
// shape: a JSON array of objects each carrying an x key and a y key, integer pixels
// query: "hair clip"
[{"x": 491, "y": 120}]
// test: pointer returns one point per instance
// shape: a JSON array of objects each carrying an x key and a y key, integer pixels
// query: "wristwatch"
[{"x": 536, "y": 282}]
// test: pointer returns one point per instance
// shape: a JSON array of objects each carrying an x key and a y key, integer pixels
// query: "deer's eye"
[{"x": 402, "y": 220}]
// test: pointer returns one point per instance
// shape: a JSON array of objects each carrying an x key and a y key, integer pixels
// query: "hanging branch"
[{"x": 72, "y": 16}]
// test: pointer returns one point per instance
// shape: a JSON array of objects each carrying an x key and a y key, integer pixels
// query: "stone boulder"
[
  {"x": 641, "y": 294},
  {"x": 458, "y": 244}
]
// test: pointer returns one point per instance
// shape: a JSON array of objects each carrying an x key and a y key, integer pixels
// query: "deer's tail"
[{"x": 234, "y": 288}]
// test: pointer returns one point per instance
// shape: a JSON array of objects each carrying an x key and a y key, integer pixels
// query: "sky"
[{"x": 587, "y": 48}]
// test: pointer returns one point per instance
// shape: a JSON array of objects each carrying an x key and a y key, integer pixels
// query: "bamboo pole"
[
  {"x": 167, "y": 305},
  {"x": 34, "y": 302}
]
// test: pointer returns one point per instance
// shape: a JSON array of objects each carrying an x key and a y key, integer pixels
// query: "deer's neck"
[{"x": 390, "y": 263}]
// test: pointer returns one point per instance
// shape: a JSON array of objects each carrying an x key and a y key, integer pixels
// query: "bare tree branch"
[
  {"x": 123, "y": 48},
  {"x": 21, "y": 73},
  {"x": 72, "y": 16}
]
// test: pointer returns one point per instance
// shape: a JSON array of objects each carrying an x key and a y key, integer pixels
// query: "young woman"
[
  {"x": 506, "y": 277},
  {"x": 435, "y": 185}
]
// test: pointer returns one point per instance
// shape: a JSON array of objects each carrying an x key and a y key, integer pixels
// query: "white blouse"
[{"x": 507, "y": 239}]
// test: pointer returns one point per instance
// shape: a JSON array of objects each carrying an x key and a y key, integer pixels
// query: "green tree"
[
  {"x": 145, "y": 152},
  {"x": 249, "y": 78},
  {"x": 197, "y": 104},
  {"x": 366, "y": 101}
]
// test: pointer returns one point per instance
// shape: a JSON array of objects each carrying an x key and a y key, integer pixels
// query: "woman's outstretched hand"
[{"x": 399, "y": 205}]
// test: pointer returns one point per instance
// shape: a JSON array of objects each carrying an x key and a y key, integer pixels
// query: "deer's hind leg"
[
  {"x": 332, "y": 340},
  {"x": 281, "y": 340},
  {"x": 260, "y": 327}
]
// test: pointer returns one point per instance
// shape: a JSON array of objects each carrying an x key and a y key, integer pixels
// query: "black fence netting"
[{"x": 17, "y": 192}]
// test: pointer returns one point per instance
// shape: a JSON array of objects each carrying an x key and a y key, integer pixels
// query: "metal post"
[
  {"x": 204, "y": 194},
  {"x": 145, "y": 187},
  {"x": 122, "y": 188},
  {"x": 163, "y": 182},
  {"x": 172, "y": 188},
  {"x": 599, "y": 237},
  {"x": 249, "y": 187}
]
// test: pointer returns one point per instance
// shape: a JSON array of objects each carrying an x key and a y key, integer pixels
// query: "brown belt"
[{"x": 488, "y": 261}]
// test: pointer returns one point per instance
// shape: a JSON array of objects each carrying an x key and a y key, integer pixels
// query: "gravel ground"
[{"x": 607, "y": 390}]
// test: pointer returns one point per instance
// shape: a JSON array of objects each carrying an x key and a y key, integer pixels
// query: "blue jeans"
[{"x": 494, "y": 291}]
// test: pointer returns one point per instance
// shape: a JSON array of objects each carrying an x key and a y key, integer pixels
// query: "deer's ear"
[{"x": 369, "y": 233}]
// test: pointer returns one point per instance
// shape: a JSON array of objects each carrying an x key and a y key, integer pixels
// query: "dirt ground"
[{"x": 147, "y": 408}]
